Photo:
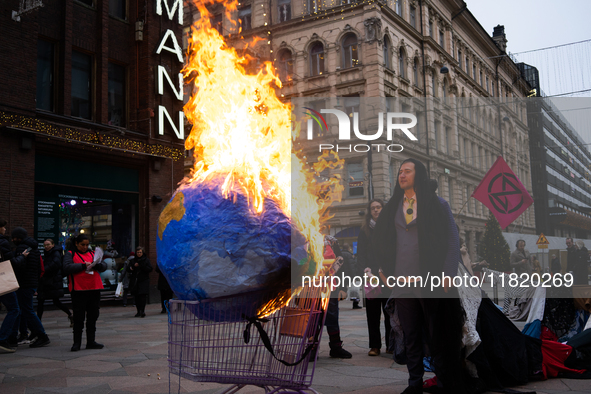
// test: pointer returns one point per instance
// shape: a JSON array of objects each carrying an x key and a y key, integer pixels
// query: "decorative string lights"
[
  {"x": 321, "y": 9},
  {"x": 94, "y": 138}
]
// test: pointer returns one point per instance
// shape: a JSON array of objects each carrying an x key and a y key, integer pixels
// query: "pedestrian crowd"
[
  {"x": 41, "y": 273},
  {"x": 410, "y": 236}
]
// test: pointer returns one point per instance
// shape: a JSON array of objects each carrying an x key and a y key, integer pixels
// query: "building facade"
[
  {"x": 89, "y": 126},
  {"x": 459, "y": 81},
  {"x": 561, "y": 164}
]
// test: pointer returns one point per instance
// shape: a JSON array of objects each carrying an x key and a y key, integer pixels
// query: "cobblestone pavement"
[{"x": 135, "y": 353}]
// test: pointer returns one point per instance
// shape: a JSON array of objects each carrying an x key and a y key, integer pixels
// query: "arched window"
[
  {"x": 386, "y": 48},
  {"x": 350, "y": 51},
  {"x": 284, "y": 65},
  {"x": 317, "y": 59},
  {"x": 401, "y": 63},
  {"x": 415, "y": 71}
]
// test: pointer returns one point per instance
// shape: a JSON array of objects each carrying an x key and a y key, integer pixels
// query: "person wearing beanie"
[{"x": 27, "y": 265}]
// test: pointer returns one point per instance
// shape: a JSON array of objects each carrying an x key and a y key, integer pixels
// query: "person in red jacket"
[{"x": 85, "y": 284}]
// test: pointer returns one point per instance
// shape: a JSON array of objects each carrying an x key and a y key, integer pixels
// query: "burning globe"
[{"x": 251, "y": 207}]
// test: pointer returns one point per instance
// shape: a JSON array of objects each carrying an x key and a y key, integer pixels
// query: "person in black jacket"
[
  {"x": 374, "y": 307},
  {"x": 51, "y": 284},
  {"x": 581, "y": 266},
  {"x": 9, "y": 300},
  {"x": 27, "y": 266},
  {"x": 165, "y": 290},
  {"x": 139, "y": 283}
]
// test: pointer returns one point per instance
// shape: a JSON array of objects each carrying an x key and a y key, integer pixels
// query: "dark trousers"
[
  {"x": 56, "y": 302},
  {"x": 373, "y": 311},
  {"x": 86, "y": 305},
  {"x": 10, "y": 301},
  {"x": 140, "y": 302},
  {"x": 165, "y": 295},
  {"x": 423, "y": 321},
  {"x": 28, "y": 316}
]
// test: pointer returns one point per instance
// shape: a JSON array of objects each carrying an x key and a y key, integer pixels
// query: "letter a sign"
[{"x": 542, "y": 242}]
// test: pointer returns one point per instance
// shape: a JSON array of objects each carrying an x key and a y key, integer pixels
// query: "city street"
[{"x": 135, "y": 354}]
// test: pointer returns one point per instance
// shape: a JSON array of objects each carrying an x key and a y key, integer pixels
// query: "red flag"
[{"x": 503, "y": 193}]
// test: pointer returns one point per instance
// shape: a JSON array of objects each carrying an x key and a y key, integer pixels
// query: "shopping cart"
[{"x": 218, "y": 340}]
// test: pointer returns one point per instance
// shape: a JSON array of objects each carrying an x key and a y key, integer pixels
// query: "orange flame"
[{"x": 242, "y": 133}]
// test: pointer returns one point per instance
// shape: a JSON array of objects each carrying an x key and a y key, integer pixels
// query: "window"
[
  {"x": 355, "y": 177},
  {"x": 312, "y": 6},
  {"x": 317, "y": 59},
  {"x": 118, "y": 9},
  {"x": 386, "y": 53},
  {"x": 350, "y": 52},
  {"x": 465, "y": 149},
  {"x": 444, "y": 90},
  {"x": 481, "y": 78},
  {"x": 317, "y": 106},
  {"x": 468, "y": 205},
  {"x": 448, "y": 140},
  {"x": 474, "y": 71},
  {"x": 216, "y": 23},
  {"x": 117, "y": 109},
  {"x": 351, "y": 105},
  {"x": 431, "y": 29},
  {"x": 284, "y": 66},
  {"x": 398, "y": 7},
  {"x": 87, "y": 2},
  {"x": 467, "y": 61},
  {"x": 415, "y": 72},
  {"x": 492, "y": 89},
  {"x": 244, "y": 18},
  {"x": 436, "y": 135},
  {"x": 450, "y": 190},
  {"x": 487, "y": 83},
  {"x": 413, "y": 18},
  {"x": 81, "y": 85},
  {"x": 45, "y": 75},
  {"x": 401, "y": 62},
  {"x": 441, "y": 38},
  {"x": 460, "y": 58},
  {"x": 434, "y": 84},
  {"x": 284, "y": 10}
]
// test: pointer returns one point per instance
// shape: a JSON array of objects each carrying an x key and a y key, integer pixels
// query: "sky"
[{"x": 531, "y": 25}]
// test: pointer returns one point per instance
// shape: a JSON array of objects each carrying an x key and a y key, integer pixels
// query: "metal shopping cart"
[{"x": 218, "y": 340}]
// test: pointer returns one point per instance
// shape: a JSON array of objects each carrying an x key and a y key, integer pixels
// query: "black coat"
[
  {"x": 27, "y": 269},
  {"x": 365, "y": 256},
  {"x": 581, "y": 268},
  {"x": 139, "y": 282},
  {"x": 51, "y": 285},
  {"x": 5, "y": 250},
  {"x": 162, "y": 282}
]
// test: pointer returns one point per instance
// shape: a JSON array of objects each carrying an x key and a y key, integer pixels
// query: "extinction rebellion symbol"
[{"x": 510, "y": 198}]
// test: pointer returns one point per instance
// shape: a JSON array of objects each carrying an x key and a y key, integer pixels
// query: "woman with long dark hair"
[
  {"x": 374, "y": 307},
  {"x": 416, "y": 236},
  {"x": 139, "y": 282},
  {"x": 85, "y": 284}
]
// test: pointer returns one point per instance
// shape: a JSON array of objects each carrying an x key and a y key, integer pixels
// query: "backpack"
[{"x": 42, "y": 266}]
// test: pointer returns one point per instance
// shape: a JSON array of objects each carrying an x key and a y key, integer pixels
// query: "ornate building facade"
[{"x": 459, "y": 81}]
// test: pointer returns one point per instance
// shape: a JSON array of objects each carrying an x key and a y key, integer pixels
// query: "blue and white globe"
[{"x": 210, "y": 247}]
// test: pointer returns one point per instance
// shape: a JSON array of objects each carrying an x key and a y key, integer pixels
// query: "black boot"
[
  {"x": 77, "y": 342},
  {"x": 337, "y": 351},
  {"x": 90, "y": 341},
  {"x": 356, "y": 303}
]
